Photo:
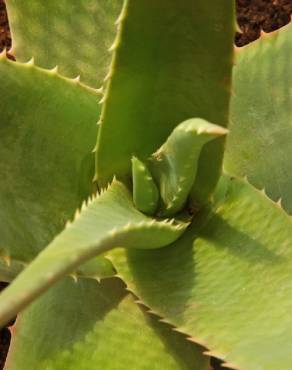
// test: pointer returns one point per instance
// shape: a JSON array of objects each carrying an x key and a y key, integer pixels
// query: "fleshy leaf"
[
  {"x": 47, "y": 162},
  {"x": 145, "y": 192},
  {"x": 227, "y": 282},
  {"x": 74, "y": 35},
  {"x": 47, "y": 133},
  {"x": 163, "y": 73},
  {"x": 110, "y": 332},
  {"x": 96, "y": 268},
  {"x": 175, "y": 164},
  {"x": 259, "y": 144},
  {"x": 108, "y": 221}
]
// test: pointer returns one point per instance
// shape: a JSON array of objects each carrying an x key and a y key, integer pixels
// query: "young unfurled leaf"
[
  {"x": 145, "y": 192},
  {"x": 174, "y": 165}
]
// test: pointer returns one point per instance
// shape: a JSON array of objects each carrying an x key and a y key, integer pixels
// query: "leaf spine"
[
  {"x": 30, "y": 62},
  {"x": 102, "y": 100}
]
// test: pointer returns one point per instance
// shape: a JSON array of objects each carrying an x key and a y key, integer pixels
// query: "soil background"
[{"x": 252, "y": 17}]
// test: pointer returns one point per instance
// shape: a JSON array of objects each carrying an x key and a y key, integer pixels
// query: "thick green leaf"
[
  {"x": 97, "y": 268},
  {"x": 47, "y": 132},
  {"x": 74, "y": 35},
  {"x": 89, "y": 326},
  {"x": 109, "y": 220},
  {"x": 172, "y": 61},
  {"x": 145, "y": 191},
  {"x": 175, "y": 163},
  {"x": 260, "y": 142},
  {"x": 227, "y": 282}
]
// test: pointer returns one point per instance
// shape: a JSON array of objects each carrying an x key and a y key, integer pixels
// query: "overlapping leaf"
[
  {"x": 101, "y": 327},
  {"x": 74, "y": 35},
  {"x": 109, "y": 220},
  {"x": 162, "y": 74},
  {"x": 175, "y": 163},
  {"x": 259, "y": 144},
  {"x": 227, "y": 282},
  {"x": 47, "y": 164}
]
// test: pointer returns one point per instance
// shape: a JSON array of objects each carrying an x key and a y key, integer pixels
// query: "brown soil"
[
  {"x": 256, "y": 15},
  {"x": 252, "y": 17},
  {"x": 5, "y": 39}
]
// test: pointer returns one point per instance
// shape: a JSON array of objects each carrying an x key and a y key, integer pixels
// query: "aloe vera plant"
[{"x": 125, "y": 244}]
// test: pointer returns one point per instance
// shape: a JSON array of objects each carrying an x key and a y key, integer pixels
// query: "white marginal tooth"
[
  {"x": 77, "y": 214},
  {"x": 74, "y": 277},
  {"x": 54, "y": 70},
  {"x": 121, "y": 16},
  {"x": 102, "y": 100},
  {"x": 279, "y": 202},
  {"x": 108, "y": 76},
  {"x": 113, "y": 46},
  {"x": 100, "y": 90},
  {"x": 76, "y": 79},
  {"x": 30, "y": 62}
]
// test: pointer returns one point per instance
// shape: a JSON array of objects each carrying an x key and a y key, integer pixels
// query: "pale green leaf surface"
[
  {"x": 260, "y": 142},
  {"x": 74, "y": 35},
  {"x": 227, "y": 282},
  {"x": 107, "y": 221},
  {"x": 47, "y": 132},
  {"x": 172, "y": 61},
  {"x": 89, "y": 326}
]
